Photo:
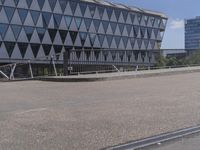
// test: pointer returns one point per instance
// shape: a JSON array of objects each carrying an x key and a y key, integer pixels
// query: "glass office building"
[
  {"x": 38, "y": 29},
  {"x": 192, "y": 33}
]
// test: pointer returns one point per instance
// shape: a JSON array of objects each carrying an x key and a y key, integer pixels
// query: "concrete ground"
[{"x": 87, "y": 116}]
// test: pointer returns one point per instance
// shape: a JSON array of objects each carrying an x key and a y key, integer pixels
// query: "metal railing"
[
  {"x": 85, "y": 61},
  {"x": 102, "y": 60},
  {"x": 26, "y": 70}
]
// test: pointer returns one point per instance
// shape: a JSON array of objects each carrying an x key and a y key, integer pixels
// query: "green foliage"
[
  {"x": 161, "y": 61},
  {"x": 171, "y": 61},
  {"x": 193, "y": 59}
]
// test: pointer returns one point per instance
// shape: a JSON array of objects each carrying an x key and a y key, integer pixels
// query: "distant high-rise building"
[{"x": 192, "y": 33}]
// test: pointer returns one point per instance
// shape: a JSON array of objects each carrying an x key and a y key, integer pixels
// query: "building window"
[
  {"x": 22, "y": 14},
  {"x": 9, "y": 12},
  {"x": 3, "y": 29},
  {"x": 41, "y": 3},
  {"x": 68, "y": 20},
  {"x": 35, "y": 15},
  {"x": 29, "y": 32},
  {"x": 16, "y": 30},
  {"x": 46, "y": 18},
  {"x": 78, "y": 21}
]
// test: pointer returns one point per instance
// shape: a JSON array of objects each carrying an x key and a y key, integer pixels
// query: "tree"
[
  {"x": 160, "y": 61},
  {"x": 194, "y": 58}
]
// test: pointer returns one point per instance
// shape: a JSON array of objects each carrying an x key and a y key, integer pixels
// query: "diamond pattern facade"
[{"x": 37, "y": 29}]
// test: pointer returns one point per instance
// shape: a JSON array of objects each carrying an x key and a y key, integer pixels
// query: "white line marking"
[{"x": 31, "y": 110}]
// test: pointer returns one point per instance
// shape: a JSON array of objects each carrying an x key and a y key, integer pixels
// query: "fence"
[
  {"x": 27, "y": 69},
  {"x": 84, "y": 61},
  {"x": 101, "y": 60}
]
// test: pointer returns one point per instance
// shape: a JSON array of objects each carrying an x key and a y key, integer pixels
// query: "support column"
[
  {"x": 66, "y": 56},
  {"x": 30, "y": 68},
  {"x": 54, "y": 66},
  {"x": 12, "y": 72}
]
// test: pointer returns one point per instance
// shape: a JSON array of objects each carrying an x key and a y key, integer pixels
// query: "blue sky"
[{"x": 176, "y": 10}]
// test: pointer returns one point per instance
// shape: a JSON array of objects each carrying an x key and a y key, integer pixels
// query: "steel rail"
[{"x": 150, "y": 141}]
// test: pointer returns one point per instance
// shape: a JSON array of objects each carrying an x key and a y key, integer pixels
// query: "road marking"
[{"x": 31, "y": 110}]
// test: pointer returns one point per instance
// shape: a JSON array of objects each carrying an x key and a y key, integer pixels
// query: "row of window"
[
  {"x": 58, "y": 48},
  {"x": 83, "y": 6},
  {"x": 57, "y": 17},
  {"x": 34, "y": 47},
  {"x": 23, "y": 47},
  {"x": 73, "y": 34}
]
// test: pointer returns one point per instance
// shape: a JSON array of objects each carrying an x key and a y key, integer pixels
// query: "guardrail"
[
  {"x": 100, "y": 60},
  {"x": 113, "y": 68},
  {"x": 156, "y": 140}
]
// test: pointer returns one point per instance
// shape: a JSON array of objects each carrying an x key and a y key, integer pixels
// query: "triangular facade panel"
[
  {"x": 78, "y": 41},
  {"x": 40, "y": 21},
  {"x": 46, "y": 6},
  {"x": 78, "y": 11},
  {"x": 47, "y": 39},
  {"x": 113, "y": 44},
  {"x": 105, "y": 15},
  {"x": 41, "y": 54},
  {"x": 29, "y": 20},
  {"x": 9, "y": 35},
  {"x": 87, "y": 42},
  {"x": 142, "y": 22},
  {"x": 22, "y": 36},
  {"x": 29, "y": 53},
  {"x": 129, "y": 46},
  {"x": 68, "y": 40},
  {"x": 9, "y": 3},
  {"x": 117, "y": 31},
  {"x": 16, "y": 18},
  {"x": 73, "y": 26},
  {"x": 87, "y": 13},
  {"x": 68, "y": 10},
  {"x": 121, "y": 18},
  {"x": 57, "y": 8},
  {"x": 57, "y": 40},
  {"x": 3, "y": 52},
  {"x": 143, "y": 47},
  {"x": 3, "y": 16},
  {"x": 105, "y": 43},
  {"x": 63, "y": 25},
  {"x": 16, "y": 53},
  {"x": 96, "y": 14},
  {"x": 128, "y": 21},
  {"x": 92, "y": 28},
  {"x": 35, "y": 38},
  {"x": 113, "y": 17},
  {"x": 136, "y": 46},
  {"x": 52, "y": 23},
  {"x": 101, "y": 30},
  {"x": 109, "y": 30},
  {"x": 35, "y": 5},
  {"x": 22, "y": 4},
  {"x": 121, "y": 45}
]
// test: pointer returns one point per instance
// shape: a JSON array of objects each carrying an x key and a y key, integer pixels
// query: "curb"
[{"x": 85, "y": 78}]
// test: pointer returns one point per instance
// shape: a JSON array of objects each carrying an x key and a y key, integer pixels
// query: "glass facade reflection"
[
  {"x": 32, "y": 29},
  {"x": 192, "y": 33}
]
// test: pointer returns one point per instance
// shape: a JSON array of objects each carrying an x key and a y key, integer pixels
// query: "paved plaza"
[{"x": 94, "y": 115}]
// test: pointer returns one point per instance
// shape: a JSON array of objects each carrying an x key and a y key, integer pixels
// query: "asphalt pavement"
[{"x": 94, "y": 115}]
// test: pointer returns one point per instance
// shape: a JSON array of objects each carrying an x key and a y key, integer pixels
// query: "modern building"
[
  {"x": 192, "y": 34},
  {"x": 177, "y": 53},
  {"x": 39, "y": 29}
]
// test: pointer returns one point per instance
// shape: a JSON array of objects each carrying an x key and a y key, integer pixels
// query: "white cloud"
[{"x": 177, "y": 24}]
